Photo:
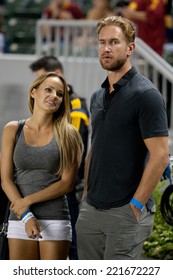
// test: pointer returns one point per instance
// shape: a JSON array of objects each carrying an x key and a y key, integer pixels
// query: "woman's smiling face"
[{"x": 49, "y": 94}]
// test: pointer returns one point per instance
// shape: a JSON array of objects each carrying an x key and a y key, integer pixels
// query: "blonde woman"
[{"x": 46, "y": 156}]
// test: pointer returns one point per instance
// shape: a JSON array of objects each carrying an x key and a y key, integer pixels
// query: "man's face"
[{"x": 113, "y": 48}]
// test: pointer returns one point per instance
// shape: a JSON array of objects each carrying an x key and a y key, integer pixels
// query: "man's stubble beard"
[{"x": 114, "y": 66}]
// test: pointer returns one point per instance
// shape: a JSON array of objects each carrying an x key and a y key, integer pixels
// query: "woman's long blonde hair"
[{"x": 68, "y": 138}]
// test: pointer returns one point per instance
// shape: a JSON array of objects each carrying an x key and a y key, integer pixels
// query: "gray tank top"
[{"x": 35, "y": 170}]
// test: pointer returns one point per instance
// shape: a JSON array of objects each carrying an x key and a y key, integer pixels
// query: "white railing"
[
  {"x": 76, "y": 38},
  {"x": 75, "y": 42},
  {"x": 153, "y": 66}
]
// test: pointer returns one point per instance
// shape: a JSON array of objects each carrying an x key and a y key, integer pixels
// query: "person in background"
[
  {"x": 169, "y": 21},
  {"x": 99, "y": 9},
  {"x": 3, "y": 39},
  {"x": 119, "y": 5},
  {"x": 152, "y": 19},
  {"x": 2, "y": 3},
  {"x": 128, "y": 154},
  {"x": 46, "y": 159},
  {"x": 149, "y": 17},
  {"x": 62, "y": 10},
  {"x": 80, "y": 119},
  {"x": 85, "y": 42}
]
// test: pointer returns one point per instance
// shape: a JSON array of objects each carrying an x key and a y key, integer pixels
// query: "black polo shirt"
[{"x": 120, "y": 121}]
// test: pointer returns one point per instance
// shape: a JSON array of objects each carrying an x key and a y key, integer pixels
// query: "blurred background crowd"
[{"x": 18, "y": 18}]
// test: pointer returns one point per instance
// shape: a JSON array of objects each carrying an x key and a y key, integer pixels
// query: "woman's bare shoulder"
[
  {"x": 11, "y": 125},
  {"x": 10, "y": 128}
]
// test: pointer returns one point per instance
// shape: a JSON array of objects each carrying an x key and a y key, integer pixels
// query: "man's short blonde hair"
[{"x": 126, "y": 26}]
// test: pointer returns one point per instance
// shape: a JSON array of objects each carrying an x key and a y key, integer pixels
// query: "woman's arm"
[
  {"x": 7, "y": 167},
  {"x": 57, "y": 189}
]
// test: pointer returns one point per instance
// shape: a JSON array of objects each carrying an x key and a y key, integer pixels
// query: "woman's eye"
[
  {"x": 59, "y": 94},
  {"x": 48, "y": 89}
]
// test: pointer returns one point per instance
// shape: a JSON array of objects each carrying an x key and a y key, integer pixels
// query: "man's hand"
[{"x": 136, "y": 211}]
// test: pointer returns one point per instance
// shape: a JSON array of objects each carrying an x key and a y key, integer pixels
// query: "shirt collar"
[{"x": 122, "y": 81}]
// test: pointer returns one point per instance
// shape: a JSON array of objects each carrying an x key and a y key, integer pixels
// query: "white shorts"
[{"x": 50, "y": 230}]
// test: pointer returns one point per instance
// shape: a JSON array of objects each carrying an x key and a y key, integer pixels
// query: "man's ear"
[{"x": 131, "y": 48}]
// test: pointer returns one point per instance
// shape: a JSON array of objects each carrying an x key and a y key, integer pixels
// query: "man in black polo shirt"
[{"x": 128, "y": 154}]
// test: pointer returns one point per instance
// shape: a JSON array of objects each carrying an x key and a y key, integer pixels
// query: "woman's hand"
[
  {"x": 20, "y": 206},
  {"x": 32, "y": 228}
]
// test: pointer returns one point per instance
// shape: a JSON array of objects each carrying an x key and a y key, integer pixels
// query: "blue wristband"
[
  {"x": 24, "y": 214},
  {"x": 135, "y": 202}
]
